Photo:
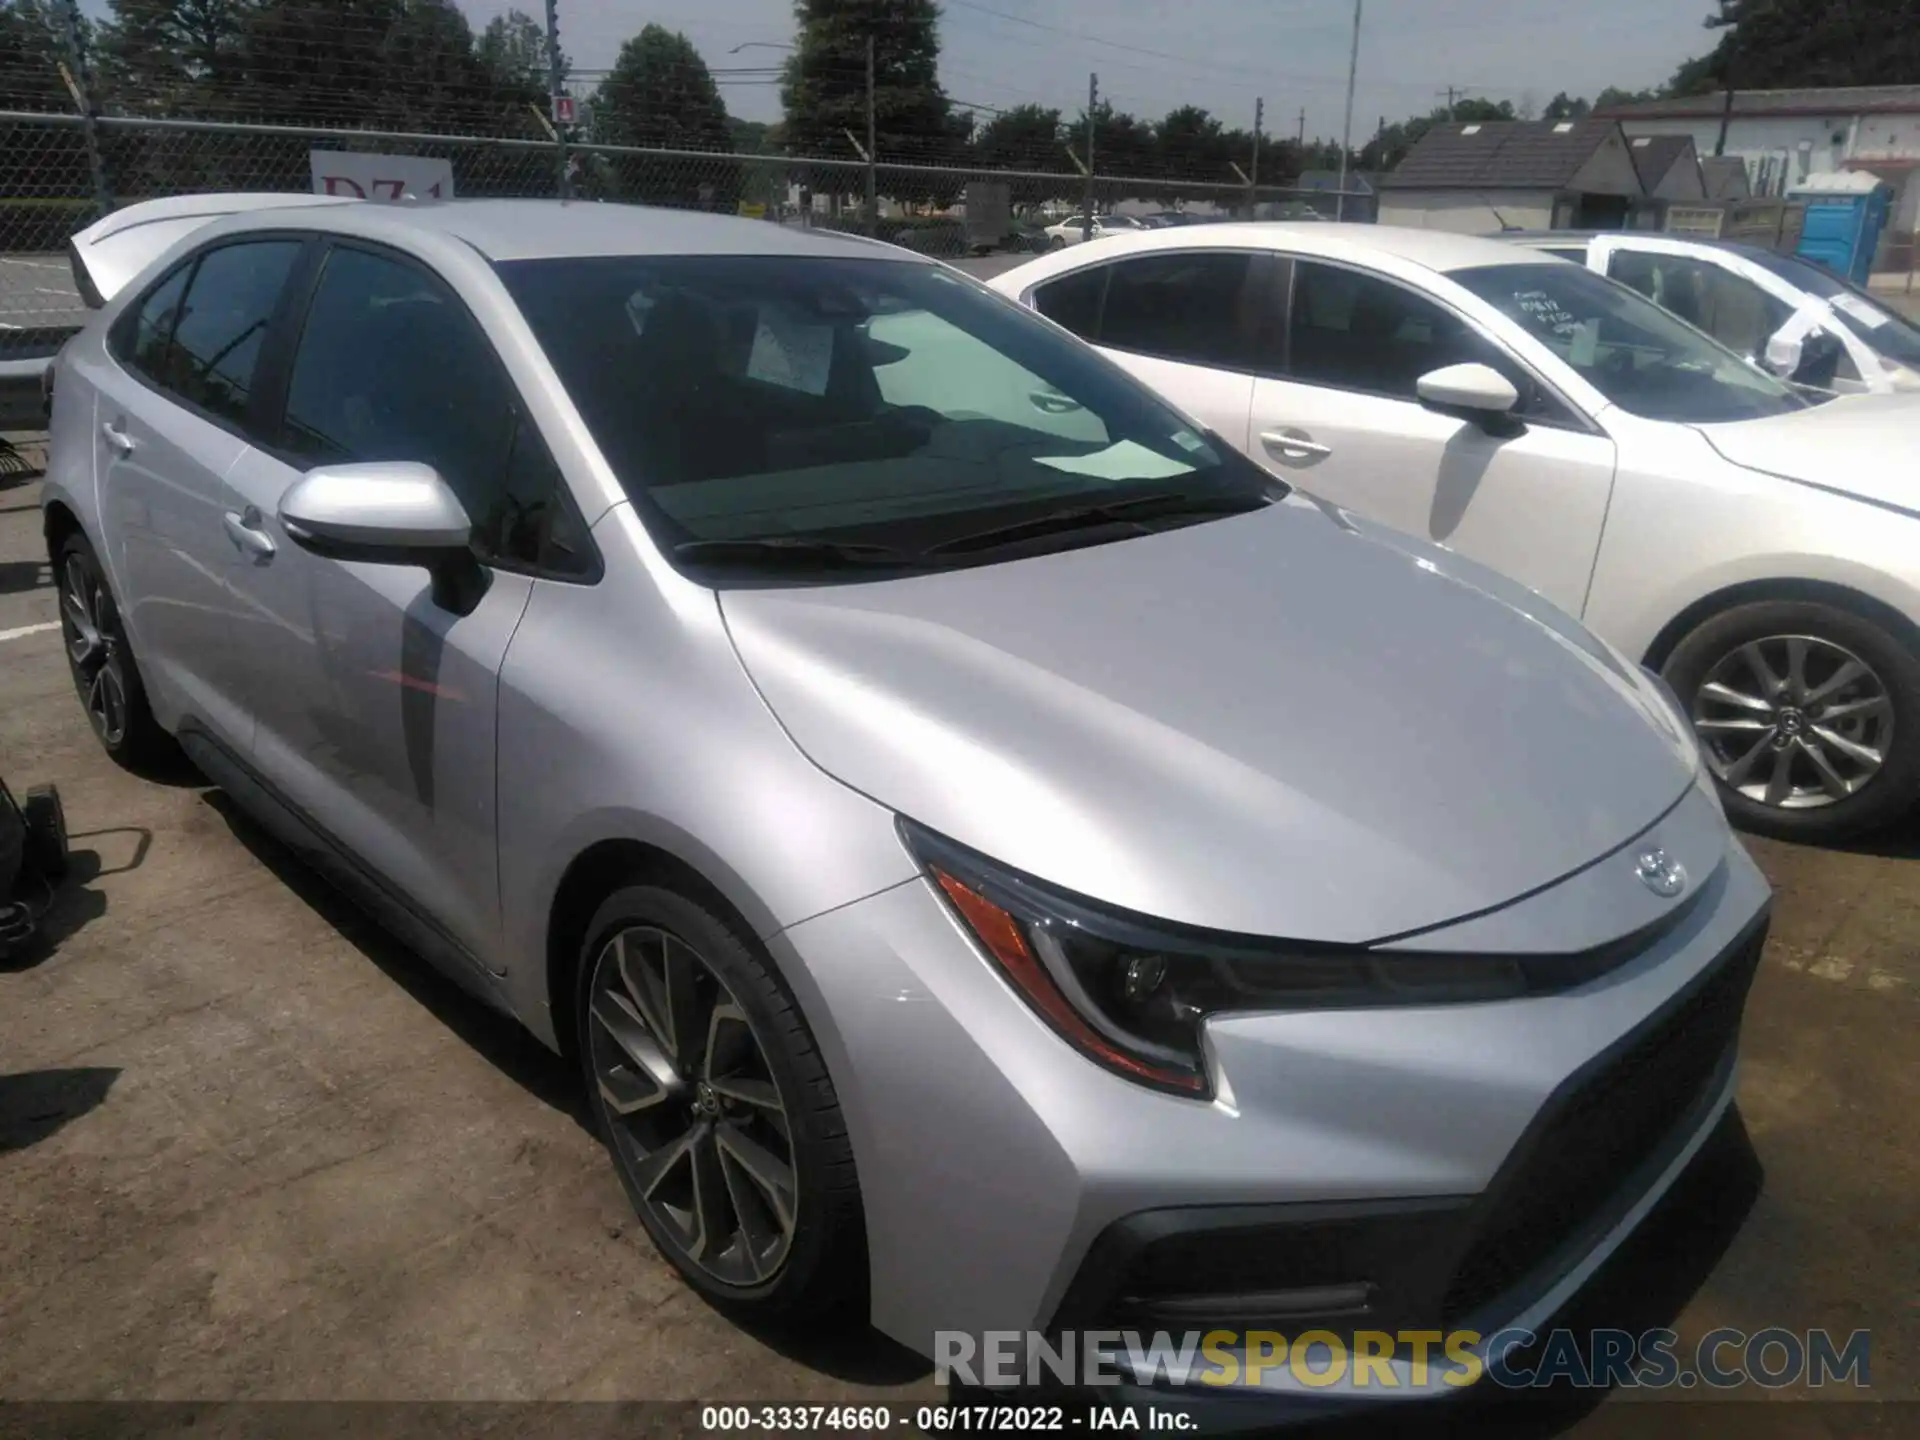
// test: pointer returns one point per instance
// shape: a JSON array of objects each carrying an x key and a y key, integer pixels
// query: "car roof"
[
  {"x": 1581, "y": 237},
  {"x": 504, "y": 230},
  {"x": 1433, "y": 249}
]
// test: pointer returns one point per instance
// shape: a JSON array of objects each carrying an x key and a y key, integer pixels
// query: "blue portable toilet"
[{"x": 1846, "y": 210}]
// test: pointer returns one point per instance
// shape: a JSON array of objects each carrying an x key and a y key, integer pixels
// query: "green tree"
[
  {"x": 175, "y": 57},
  {"x": 1771, "y": 44},
  {"x": 394, "y": 64},
  {"x": 1565, "y": 107},
  {"x": 1122, "y": 144},
  {"x": 1027, "y": 137},
  {"x": 1614, "y": 95},
  {"x": 661, "y": 95},
  {"x": 1189, "y": 144},
  {"x": 32, "y": 47},
  {"x": 44, "y": 169},
  {"x": 825, "y": 88},
  {"x": 513, "y": 50}
]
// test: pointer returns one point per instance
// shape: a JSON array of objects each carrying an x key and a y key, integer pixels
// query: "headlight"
[{"x": 1132, "y": 993}]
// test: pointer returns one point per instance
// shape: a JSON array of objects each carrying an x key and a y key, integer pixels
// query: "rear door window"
[
  {"x": 198, "y": 334},
  {"x": 1074, "y": 300},
  {"x": 223, "y": 325},
  {"x": 1193, "y": 306}
]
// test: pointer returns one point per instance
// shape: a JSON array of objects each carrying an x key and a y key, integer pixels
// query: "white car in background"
[
  {"x": 1798, "y": 319},
  {"x": 1756, "y": 543},
  {"x": 1073, "y": 229}
]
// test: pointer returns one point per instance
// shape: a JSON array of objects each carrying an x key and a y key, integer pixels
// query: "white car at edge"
[{"x": 1757, "y": 544}]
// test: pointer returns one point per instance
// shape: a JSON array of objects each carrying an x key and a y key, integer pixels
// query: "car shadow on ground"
[
  {"x": 499, "y": 1038},
  {"x": 1899, "y": 841},
  {"x": 19, "y": 576}
]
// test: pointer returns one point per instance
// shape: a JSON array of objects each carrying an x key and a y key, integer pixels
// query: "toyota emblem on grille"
[{"x": 1661, "y": 873}]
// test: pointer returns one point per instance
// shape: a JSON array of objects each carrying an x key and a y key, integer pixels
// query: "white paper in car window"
[
  {"x": 1127, "y": 460},
  {"x": 791, "y": 352},
  {"x": 1585, "y": 344},
  {"x": 1859, "y": 310}
]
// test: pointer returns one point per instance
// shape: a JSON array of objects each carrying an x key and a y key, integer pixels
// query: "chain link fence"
[{"x": 60, "y": 172}]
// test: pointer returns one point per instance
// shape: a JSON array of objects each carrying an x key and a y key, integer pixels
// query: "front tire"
[
  {"x": 714, "y": 1102},
  {"x": 101, "y": 660},
  {"x": 1808, "y": 716}
]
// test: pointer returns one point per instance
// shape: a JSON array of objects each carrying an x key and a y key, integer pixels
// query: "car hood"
[
  {"x": 1290, "y": 723},
  {"x": 1856, "y": 445}
]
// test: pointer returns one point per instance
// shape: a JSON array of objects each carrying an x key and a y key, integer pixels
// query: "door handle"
[
  {"x": 245, "y": 533},
  {"x": 1294, "y": 444},
  {"x": 116, "y": 437}
]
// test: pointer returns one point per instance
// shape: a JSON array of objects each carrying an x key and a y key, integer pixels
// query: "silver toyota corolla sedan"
[{"x": 1001, "y": 860}]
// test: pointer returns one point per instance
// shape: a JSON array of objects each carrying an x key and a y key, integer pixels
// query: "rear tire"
[
  {"x": 105, "y": 673},
  {"x": 713, "y": 1100},
  {"x": 1808, "y": 716}
]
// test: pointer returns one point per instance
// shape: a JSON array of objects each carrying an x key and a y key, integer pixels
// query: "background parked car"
[
  {"x": 1073, "y": 230},
  {"x": 1758, "y": 545},
  {"x": 1793, "y": 316}
]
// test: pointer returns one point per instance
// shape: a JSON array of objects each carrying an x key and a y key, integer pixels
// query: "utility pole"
[
  {"x": 1086, "y": 209},
  {"x": 873, "y": 204},
  {"x": 1452, "y": 92},
  {"x": 80, "y": 86},
  {"x": 1253, "y": 171},
  {"x": 1303, "y": 129},
  {"x": 1726, "y": 116},
  {"x": 1346, "y": 135},
  {"x": 556, "y": 93}
]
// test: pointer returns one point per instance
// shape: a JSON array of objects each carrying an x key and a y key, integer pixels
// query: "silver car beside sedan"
[{"x": 1000, "y": 859}]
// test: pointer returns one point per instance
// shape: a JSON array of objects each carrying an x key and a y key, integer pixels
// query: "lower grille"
[{"x": 1588, "y": 1143}]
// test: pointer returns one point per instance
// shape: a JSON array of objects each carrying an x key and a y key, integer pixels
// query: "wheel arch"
[
  {"x": 57, "y": 523},
  {"x": 595, "y": 873},
  {"x": 1747, "y": 592}
]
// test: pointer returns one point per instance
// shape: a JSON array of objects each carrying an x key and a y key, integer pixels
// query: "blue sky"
[{"x": 1217, "y": 53}]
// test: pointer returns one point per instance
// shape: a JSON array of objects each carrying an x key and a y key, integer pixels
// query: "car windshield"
[
  {"x": 1884, "y": 331},
  {"x": 785, "y": 409},
  {"x": 1629, "y": 349}
]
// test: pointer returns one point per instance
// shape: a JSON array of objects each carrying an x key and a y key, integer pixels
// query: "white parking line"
[{"x": 21, "y": 632}]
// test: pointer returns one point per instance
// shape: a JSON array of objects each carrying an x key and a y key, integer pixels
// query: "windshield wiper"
[
  {"x": 1112, "y": 512},
  {"x": 792, "y": 549}
]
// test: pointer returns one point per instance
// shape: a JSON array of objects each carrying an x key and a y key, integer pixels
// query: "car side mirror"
[
  {"x": 388, "y": 513},
  {"x": 1477, "y": 393}
]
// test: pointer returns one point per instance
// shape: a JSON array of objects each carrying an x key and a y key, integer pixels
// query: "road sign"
[
  {"x": 381, "y": 177},
  {"x": 563, "y": 109}
]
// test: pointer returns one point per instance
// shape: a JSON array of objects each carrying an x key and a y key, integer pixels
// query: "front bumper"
[{"x": 1429, "y": 1155}]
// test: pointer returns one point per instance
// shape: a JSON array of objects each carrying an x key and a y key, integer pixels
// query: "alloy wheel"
[
  {"x": 696, "y": 1117},
  {"x": 91, "y": 628},
  {"x": 1794, "y": 722}
]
